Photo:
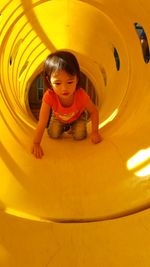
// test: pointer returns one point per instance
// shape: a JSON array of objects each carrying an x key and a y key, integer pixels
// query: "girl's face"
[{"x": 63, "y": 84}]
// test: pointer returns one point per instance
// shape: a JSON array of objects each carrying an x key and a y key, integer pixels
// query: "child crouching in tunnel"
[{"x": 66, "y": 102}]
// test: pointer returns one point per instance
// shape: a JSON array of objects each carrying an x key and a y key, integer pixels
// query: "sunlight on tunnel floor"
[
  {"x": 144, "y": 172},
  {"x": 140, "y": 158}
]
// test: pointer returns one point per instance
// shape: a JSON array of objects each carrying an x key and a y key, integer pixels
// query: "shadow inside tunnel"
[
  {"x": 13, "y": 166},
  {"x": 36, "y": 26},
  {"x": 2, "y": 206}
]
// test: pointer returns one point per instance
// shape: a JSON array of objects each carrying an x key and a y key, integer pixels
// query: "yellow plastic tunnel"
[{"x": 81, "y": 205}]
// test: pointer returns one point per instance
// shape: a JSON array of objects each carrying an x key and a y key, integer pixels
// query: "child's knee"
[
  {"x": 79, "y": 130},
  {"x": 53, "y": 133},
  {"x": 79, "y": 137},
  {"x": 79, "y": 134}
]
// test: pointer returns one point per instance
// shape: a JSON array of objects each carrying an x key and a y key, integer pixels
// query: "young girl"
[{"x": 66, "y": 100}]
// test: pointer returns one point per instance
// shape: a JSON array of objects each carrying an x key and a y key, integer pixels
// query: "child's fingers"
[
  {"x": 96, "y": 139},
  {"x": 37, "y": 151}
]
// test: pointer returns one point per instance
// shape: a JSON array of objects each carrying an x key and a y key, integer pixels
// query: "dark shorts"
[{"x": 78, "y": 127}]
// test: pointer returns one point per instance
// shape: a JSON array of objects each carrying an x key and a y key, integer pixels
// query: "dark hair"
[{"x": 58, "y": 61}]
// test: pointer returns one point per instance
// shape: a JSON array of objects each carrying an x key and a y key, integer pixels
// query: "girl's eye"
[
  {"x": 57, "y": 83},
  {"x": 70, "y": 82}
]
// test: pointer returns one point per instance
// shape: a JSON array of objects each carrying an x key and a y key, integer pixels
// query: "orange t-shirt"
[{"x": 71, "y": 113}]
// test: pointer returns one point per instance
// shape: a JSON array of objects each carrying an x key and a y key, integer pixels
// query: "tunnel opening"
[
  {"x": 37, "y": 90},
  {"x": 15, "y": 51},
  {"x": 117, "y": 59},
  {"x": 143, "y": 40}
]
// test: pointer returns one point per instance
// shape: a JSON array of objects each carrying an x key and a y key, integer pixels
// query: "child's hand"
[
  {"x": 37, "y": 151},
  {"x": 96, "y": 137}
]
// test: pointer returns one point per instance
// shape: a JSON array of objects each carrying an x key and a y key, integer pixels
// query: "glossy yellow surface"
[{"x": 101, "y": 193}]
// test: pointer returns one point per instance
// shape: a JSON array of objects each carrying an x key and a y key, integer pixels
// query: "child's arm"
[
  {"x": 92, "y": 109},
  {"x": 43, "y": 119}
]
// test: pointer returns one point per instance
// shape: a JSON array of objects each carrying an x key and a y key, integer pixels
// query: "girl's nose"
[{"x": 64, "y": 87}]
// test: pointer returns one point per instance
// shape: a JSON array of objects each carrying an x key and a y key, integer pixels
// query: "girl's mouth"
[{"x": 66, "y": 93}]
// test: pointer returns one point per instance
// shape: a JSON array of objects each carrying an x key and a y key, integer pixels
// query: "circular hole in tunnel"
[{"x": 37, "y": 89}]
